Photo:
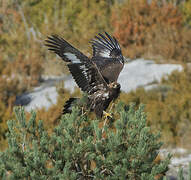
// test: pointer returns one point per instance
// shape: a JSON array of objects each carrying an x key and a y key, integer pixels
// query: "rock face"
[
  {"x": 180, "y": 159},
  {"x": 38, "y": 98},
  {"x": 138, "y": 73}
]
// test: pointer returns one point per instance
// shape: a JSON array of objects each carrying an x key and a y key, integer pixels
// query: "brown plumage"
[
  {"x": 107, "y": 56},
  {"x": 96, "y": 76}
]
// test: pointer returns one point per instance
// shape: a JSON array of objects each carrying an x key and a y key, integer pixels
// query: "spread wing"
[
  {"x": 65, "y": 50},
  {"x": 84, "y": 71},
  {"x": 106, "y": 47},
  {"x": 107, "y": 56}
]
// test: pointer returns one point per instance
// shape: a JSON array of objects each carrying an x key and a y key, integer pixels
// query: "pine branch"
[{"x": 79, "y": 149}]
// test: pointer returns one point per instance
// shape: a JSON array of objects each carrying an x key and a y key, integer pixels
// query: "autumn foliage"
[{"x": 151, "y": 30}]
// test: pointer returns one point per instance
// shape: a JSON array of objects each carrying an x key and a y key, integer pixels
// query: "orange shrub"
[
  {"x": 20, "y": 63},
  {"x": 27, "y": 67},
  {"x": 151, "y": 29}
]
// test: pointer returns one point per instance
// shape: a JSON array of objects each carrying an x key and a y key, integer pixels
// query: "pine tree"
[{"x": 80, "y": 149}]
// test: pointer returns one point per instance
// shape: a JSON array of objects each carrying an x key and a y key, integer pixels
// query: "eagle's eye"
[{"x": 116, "y": 85}]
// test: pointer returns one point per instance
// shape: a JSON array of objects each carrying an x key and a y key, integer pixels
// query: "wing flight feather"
[
  {"x": 84, "y": 71},
  {"x": 65, "y": 50},
  {"x": 105, "y": 46}
]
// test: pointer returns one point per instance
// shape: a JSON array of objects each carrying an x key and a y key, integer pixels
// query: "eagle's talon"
[{"x": 107, "y": 115}]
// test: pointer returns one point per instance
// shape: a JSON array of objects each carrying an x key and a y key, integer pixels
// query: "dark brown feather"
[
  {"x": 107, "y": 56},
  {"x": 98, "y": 81}
]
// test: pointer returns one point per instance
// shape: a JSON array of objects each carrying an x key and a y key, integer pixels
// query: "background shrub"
[
  {"x": 168, "y": 107},
  {"x": 186, "y": 9},
  {"x": 151, "y": 29}
]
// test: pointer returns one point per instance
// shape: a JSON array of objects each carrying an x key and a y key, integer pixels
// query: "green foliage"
[
  {"x": 80, "y": 149},
  {"x": 180, "y": 174},
  {"x": 186, "y": 9}
]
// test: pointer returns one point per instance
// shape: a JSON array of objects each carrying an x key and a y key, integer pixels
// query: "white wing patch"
[
  {"x": 83, "y": 67},
  {"x": 72, "y": 57},
  {"x": 105, "y": 53}
]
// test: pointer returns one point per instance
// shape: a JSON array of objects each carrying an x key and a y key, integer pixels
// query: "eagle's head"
[
  {"x": 114, "y": 85},
  {"x": 114, "y": 89}
]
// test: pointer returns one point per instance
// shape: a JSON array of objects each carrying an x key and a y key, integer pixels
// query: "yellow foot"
[{"x": 107, "y": 115}]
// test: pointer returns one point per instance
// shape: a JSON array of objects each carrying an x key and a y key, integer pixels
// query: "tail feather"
[{"x": 68, "y": 105}]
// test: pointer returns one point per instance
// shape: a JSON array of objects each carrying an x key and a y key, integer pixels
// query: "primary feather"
[{"x": 107, "y": 56}]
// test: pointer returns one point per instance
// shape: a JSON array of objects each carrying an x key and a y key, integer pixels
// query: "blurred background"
[{"x": 154, "y": 32}]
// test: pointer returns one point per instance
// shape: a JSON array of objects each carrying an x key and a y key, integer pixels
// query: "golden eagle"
[{"x": 96, "y": 76}]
